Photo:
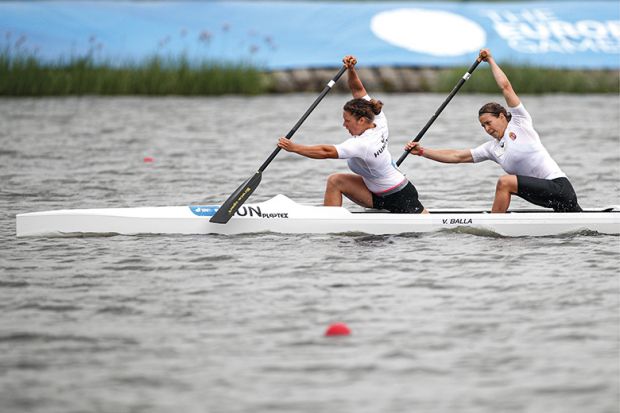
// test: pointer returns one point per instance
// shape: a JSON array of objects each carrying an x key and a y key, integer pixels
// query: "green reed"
[
  {"x": 533, "y": 80},
  {"x": 25, "y": 75}
]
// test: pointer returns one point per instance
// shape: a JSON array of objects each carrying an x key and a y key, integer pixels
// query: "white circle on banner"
[{"x": 433, "y": 32}]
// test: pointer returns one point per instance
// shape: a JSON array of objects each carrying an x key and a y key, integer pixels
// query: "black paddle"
[
  {"x": 234, "y": 201},
  {"x": 441, "y": 108}
]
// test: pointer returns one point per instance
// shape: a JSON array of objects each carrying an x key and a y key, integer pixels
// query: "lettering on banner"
[{"x": 540, "y": 31}]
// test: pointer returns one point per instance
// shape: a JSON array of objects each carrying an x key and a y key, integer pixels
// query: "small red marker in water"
[
  {"x": 337, "y": 329},
  {"x": 148, "y": 159}
]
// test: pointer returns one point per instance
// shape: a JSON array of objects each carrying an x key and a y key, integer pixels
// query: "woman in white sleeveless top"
[
  {"x": 531, "y": 172},
  {"x": 376, "y": 182}
]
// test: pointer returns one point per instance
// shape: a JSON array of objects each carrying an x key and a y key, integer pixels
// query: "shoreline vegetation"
[
  {"x": 157, "y": 76},
  {"x": 27, "y": 76}
]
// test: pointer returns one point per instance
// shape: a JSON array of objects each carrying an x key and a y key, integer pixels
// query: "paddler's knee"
[
  {"x": 335, "y": 180},
  {"x": 507, "y": 183}
]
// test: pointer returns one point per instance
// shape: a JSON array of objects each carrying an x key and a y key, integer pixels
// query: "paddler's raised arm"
[
  {"x": 501, "y": 79},
  {"x": 355, "y": 83}
]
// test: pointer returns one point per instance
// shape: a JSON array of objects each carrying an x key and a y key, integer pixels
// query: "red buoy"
[{"x": 338, "y": 329}]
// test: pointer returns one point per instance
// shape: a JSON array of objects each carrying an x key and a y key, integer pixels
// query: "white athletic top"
[
  {"x": 368, "y": 156},
  {"x": 520, "y": 151}
]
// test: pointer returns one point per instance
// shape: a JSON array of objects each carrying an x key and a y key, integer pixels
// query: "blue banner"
[{"x": 281, "y": 35}]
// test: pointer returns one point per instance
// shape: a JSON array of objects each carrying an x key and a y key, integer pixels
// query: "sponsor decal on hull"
[
  {"x": 204, "y": 211},
  {"x": 244, "y": 211}
]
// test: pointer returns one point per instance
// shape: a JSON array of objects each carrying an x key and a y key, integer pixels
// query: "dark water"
[{"x": 441, "y": 322}]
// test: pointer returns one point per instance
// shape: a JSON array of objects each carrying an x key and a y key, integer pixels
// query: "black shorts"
[
  {"x": 404, "y": 201},
  {"x": 555, "y": 193}
]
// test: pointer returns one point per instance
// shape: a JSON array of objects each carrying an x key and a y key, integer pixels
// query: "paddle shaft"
[
  {"x": 441, "y": 108},
  {"x": 290, "y": 134}
]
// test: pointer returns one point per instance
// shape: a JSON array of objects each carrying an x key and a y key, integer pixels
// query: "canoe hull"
[{"x": 282, "y": 215}]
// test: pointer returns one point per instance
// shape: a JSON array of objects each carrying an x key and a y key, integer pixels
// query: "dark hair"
[
  {"x": 494, "y": 109},
  {"x": 362, "y": 108}
]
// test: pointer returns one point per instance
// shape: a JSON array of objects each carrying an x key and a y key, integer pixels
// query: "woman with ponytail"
[
  {"x": 531, "y": 172},
  {"x": 376, "y": 182}
]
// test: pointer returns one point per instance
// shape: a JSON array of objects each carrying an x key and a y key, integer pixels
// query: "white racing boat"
[{"x": 282, "y": 215}]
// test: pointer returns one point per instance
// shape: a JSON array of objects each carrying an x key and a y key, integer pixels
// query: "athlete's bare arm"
[
  {"x": 440, "y": 155},
  {"x": 310, "y": 151},
  {"x": 355, "y": 83},
  {"x": 501, "y": 79}
]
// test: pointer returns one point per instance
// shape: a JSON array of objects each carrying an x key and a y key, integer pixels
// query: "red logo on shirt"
[{"x": 512, "y": 136}]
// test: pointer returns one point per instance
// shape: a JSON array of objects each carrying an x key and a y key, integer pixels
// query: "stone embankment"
[{"x": 387, "y": 79}]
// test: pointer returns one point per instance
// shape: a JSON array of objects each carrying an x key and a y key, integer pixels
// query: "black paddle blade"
[{"x": 232, "y": 204}]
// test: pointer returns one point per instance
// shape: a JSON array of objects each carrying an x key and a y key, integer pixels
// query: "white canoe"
[{"x": 282, "y": 215}]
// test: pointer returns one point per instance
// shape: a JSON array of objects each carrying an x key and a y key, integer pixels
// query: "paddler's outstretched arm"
[
  {"x": 501, "y": 79},
  {"x": 310, "y": 151},
  {"x": 440, "y": 155},
  {"x": 355, "y": 83}
]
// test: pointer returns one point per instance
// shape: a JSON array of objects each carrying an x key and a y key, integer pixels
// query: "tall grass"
[
  {"x": 25, "y": 75},
  {"x": 534, "y": 80}
]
